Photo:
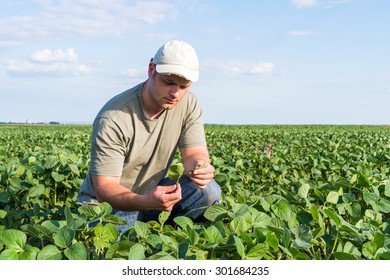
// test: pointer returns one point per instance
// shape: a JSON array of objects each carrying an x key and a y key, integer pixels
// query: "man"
[{"x": 135, "y": 138}]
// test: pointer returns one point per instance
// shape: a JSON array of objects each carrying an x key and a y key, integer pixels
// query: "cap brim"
[{"x": 189, "y": 74}]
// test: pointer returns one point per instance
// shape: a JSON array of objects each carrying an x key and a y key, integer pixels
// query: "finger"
[
  {"x": 209, "y": 169},
  {"x": 174, "y": 195},
  {"x": 170, "y": 189},
  {"x": 201, "y": 183},
  {"x": 205, "y": 176}
]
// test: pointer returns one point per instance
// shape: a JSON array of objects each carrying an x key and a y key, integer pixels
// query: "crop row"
[{"x": 289, "y": 192}]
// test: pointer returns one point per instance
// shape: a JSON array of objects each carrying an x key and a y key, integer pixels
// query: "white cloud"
[
  {"x": 59, "y": 55},
  {"x": 91, "y": 18},
  {"x": 303, "y": 3},
  {"x": 236, "y": 68},
  {"x": 324, "y": 3},
  {"x": 133, "y": 74},
  {"x": 9, "y": 44},
  {"x": 261, "y": 68},
  {"x": 48, "y": 63}
]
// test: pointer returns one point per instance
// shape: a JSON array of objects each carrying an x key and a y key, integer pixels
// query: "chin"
[{"x": 168, "y": 107}]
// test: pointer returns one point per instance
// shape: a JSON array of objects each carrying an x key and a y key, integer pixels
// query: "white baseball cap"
[{"x": 178, "y": 58}]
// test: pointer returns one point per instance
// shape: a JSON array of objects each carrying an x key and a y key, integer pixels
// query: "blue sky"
[{"x": 262, "y": 61}]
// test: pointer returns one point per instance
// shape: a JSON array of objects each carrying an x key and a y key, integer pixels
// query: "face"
[{"x": 166, "y": 90}]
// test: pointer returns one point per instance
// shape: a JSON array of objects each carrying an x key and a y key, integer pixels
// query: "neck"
[{"x": 150, "y": 110}]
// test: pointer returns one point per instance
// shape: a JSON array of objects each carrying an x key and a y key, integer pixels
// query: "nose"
[{"x": 174, "y": 91}]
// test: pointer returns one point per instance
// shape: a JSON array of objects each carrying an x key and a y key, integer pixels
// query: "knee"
[{"x": 213, "y": 192}]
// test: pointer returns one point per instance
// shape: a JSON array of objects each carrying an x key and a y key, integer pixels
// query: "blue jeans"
[{"x": 193, "y": 204}]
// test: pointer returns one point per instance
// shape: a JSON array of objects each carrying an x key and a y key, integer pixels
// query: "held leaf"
[{"x": 175, "y": 171}]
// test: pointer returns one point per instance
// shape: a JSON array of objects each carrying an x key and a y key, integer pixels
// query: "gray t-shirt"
[{"x": 127, "y": 144}]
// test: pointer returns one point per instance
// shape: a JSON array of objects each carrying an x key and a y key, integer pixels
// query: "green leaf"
[
  {"x": 74, "y": 168},
  {"x": 163, "y": 217},
  {"x": 50, "y": 226},
  {"x": 354, "y": 209},
  {"x": 103, "y": 236},
  {"x": 32, "y": 159},
  {"x": 380, "y": 239},
  {"x": 154, "y": 241},
  {"x": 370, "y": 198},
  {"x": 162, "y": 256},
  {"x": 183, "y": 249},
  {"x": 76, "y": 251},
  {"x": 352, "y": 249},
  {"x": 383, "y": 256},
  {"x": 282, "y": 210},
  {"x": 212, "y": 234},
  {"x": 369, "y": 249},
  {"x": 303, "y": 237},
  {"x": 91, "y": 212},
  {"x": 344, "y": 256},
  {"x": 171, "y": 244},
  {"x": 272, "y": 240},
  {"x": 286, "y": 238},
  {"x": 314, "y": 212},
  {"x": 141, "y": 228},
  {"x": 137, "y": 252},
  {"x": 69, "y": 217},
  {"x": 363, "y": 181},
  {"x": 104, "y": 208},
  {"x": 238, "y": 225},
  {"x": 175, "y": 171},
  {"x": 39, "y": 231},
  {"x": 9, "y": 254},
  {"x": 333, "y": 216},
  {"x": 384, "y": 205},
  {"x": 14, "y": 239},
  {"x": 29, "y": 253},
  {"x": 36, "y": 190},
  {"x": 63, "y": 238},
  {"x": 183, "y": 221},
  {"x": 258, "y": 252},
  {"x": 303, "y": 190},
  {"x": 332, "y": 197},
  {"x": 261, "y": 219},
  {"x": 49, "y": 252},
  {"x": 57, "y": 177},
  {"x": 387, "y": 188},
  {"x": 215, "y": 212},
  {"x": 113, "y": 219},
  {"x": 239, "y": 246},
  {"x": 50, "y": 162},
  {"x": 2, "y": 214},
  {"x": 240, "y": 209},
  {"x": 193, "y": 235}
]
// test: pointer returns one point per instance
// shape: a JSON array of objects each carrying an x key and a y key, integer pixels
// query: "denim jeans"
[{"x": 193, "y": 204}]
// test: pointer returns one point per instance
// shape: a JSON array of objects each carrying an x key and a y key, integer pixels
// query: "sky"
[{"x": 261, "y": 61}]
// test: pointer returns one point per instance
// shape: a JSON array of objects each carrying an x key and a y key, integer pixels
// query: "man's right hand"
[{"x": 163, "y": 198}]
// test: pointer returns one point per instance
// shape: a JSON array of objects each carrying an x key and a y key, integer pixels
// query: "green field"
[{"x": 289, "y": 192}]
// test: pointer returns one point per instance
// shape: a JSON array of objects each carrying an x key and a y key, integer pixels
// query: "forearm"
[
  {"x": 196, "y": 157},
  {"x": 110, "y": 190},
  {"x": 118, "y": 196},
  {"x": 193, "y": 157}
]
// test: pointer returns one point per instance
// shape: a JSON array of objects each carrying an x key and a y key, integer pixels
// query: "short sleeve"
[
  {"x": 108, "y": 148},
  {"x": 193, "y": 129}
]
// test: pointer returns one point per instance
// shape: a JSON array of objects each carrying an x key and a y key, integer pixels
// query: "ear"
[{"x": 151, "y": 69}]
